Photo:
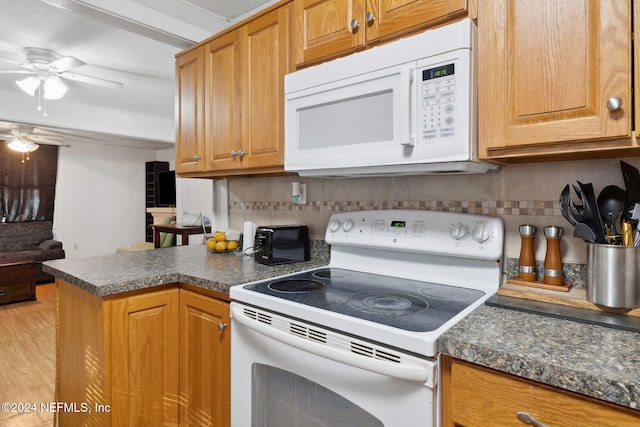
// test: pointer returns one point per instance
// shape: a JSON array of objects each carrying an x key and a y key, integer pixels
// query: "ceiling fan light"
[
  {"x": 22, "y": 145},
  {"x": 54, "y": 88},
  {"x": 29, "y": 85}
]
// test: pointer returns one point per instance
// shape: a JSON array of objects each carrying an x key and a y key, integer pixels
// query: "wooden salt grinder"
[
  {"x": 527, "y": 260},
  {"x": 552, "y": 261}
]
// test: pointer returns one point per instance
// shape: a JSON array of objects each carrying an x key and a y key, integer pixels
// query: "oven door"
[{"x": 288, "y": 373}]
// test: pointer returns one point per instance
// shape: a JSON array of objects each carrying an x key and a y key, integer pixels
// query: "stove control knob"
[
  {"x": 482, "y": 233},
  {"x": 347, "y": 225},
  {"x": 459, "y": 231},
  {"x": 334, "y": 225}
]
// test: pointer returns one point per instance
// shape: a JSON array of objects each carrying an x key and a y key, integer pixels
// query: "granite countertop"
[
  {"x": 591, "y": 360},
  {"x": 124, "y": 272},
  {"x": 596, "y": 361}
]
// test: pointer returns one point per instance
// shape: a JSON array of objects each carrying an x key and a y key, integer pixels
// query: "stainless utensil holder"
[{"x": 613, "y": 275}]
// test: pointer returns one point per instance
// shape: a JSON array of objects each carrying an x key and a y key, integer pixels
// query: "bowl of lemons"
[{"x": 223, "y": 242}]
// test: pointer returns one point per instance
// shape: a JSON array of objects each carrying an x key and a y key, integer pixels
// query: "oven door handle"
[{"x": 424, "y": 373}]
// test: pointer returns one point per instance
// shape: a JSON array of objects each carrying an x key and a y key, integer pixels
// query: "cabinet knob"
[
  {"x": 354, "y": 25},
  {"x": 196, "y": 158},
  {"x": 240, "y": 153},
  {"x": 370, "y": 17},
  {"x": 221, "y": 325},
  {"x": 614, "y": 104},
  {"x": 3, "y": 293},
  {"x": 528, "y": 419}
]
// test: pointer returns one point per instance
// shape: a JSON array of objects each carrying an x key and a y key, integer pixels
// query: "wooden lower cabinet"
[
  {"x": 154, "y": 358},
  {"x": 141, "y": 343},
  {"x": 205, "y": 359},
  {"x": 477, "y": 396}
]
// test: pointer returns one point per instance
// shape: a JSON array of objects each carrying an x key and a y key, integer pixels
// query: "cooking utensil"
[
  {"x": 565, "y": 197},
  {"x": 631, "y": 177},
  {"x": 584, "y": 232},
  {"x": 611, "y": 202},
  {"x": 576, "y": 211},
  {"x": 589, "y": 213},
  {"x": 627, "y": 234}
]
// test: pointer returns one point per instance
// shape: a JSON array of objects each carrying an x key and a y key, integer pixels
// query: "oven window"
[{"x": 281, "y": 398}]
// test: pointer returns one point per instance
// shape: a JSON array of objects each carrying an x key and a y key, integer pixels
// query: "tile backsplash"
[{"x": 520, "y": 194}]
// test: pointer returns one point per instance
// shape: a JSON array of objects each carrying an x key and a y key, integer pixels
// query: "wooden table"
[
  {"x": 184, "y": 231},
  {"x": 17, "y": 280}
]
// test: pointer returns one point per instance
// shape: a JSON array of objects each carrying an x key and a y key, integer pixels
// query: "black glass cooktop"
[{"x": 411, "y": 305}]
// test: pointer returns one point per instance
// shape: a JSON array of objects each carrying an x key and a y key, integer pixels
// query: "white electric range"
[{"x": 361, "y": 334}]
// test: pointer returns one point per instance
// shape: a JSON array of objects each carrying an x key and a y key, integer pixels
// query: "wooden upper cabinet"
[
  {"x": 323, "y": 28},
  {"x": 397, "y": 16},
  {"x": 222, "y": 92},
  {"x": 546, "y": 71},
  {"x": 330, "y": 28},
  {"x": 190, "y": 140},
  {"x": 230, "y": 99},
  {"x": 265, "y": 62}
]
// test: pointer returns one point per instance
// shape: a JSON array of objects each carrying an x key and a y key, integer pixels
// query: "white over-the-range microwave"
[{"x": 407, "y": 107}]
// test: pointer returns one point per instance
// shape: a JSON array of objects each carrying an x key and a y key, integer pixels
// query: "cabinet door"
[
  {"x": 323, "y": 28},
  {"x": 392, "y": 17},
  {"x": 189, "y": 112},
  {"x": 223, "y": 80},
  {"x": 265, "y": 62},
  {"x": 144, "y": 358},
  {"x": 474, "y": 396},
  {"x": 546, "y": 71},
  {"x": 205, "y": 363}
]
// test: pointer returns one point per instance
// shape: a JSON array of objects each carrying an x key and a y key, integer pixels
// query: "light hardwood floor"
[{"x": 28, "y": 357}]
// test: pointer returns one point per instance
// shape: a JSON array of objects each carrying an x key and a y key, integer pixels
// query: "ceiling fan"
[
  {"x": 46, "y": 69},
  {"x": 27, "y": 139}
]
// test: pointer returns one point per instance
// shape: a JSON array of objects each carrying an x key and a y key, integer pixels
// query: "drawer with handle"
[{"x": 17, "y": 281}]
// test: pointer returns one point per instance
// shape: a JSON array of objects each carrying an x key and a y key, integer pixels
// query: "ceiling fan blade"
[
  {"x": 66, "y": 63},
  {"x": 12, "y": 61},
  {"x": 51, "y": 142},
  {"x": 16, "y": 72},
  {"x": 91, "y": 80}
]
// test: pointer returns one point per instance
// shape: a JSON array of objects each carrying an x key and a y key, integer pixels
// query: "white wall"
[{"x": 100, "y": 200}]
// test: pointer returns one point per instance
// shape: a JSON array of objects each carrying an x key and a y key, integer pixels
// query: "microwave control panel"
[{"x": 438, "y": 88}]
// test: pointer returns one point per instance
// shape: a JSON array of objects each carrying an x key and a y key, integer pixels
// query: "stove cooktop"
[{"x": 410, "y": 305}]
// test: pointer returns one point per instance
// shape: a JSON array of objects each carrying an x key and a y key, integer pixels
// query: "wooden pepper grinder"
[
  {"x": 527, "y": 260},
  {"x": 552, "y": 261}
]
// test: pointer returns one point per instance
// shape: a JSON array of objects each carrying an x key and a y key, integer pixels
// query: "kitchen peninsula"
[
  {"x": 142, "y": 337},
  {"x": 95, "y": 292}
]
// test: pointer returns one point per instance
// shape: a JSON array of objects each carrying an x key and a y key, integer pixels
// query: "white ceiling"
[{"x": 129, "y": 41}]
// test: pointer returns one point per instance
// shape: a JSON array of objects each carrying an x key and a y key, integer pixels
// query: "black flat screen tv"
[{"x": 166, "y": 188}]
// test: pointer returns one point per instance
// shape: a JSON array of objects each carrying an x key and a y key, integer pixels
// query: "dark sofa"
[{"x": 31, "y": 240}]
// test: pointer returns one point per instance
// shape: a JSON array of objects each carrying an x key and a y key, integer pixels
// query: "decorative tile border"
[{"x": 485, "y": 207}]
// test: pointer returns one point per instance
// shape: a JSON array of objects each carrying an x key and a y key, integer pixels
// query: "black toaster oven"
[{"x": 281, "y": 244}]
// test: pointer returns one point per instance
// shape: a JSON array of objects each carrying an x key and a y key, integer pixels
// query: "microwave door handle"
[{"x": 407, "y": 138}]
